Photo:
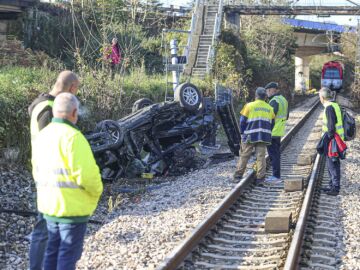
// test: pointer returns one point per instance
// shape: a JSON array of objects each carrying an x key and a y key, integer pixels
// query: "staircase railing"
[
  {"x": 215, "y": 36},
  {"x": 194, "y": 20}
]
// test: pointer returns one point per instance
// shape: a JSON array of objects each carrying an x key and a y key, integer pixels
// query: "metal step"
[
  {"x": 205, "y": 43},
  {"x": 203, "y": 58},
  {"x": 199, "y": 69},
  {"x": 204, "y": 49},
  {"x": 205, "y": 38},
  {"x": 203, "y": 55}
]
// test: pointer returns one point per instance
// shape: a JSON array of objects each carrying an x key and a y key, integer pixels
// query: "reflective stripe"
[
  {"x": 281, "y": 116},
  {"x": 58, "y": 171},
  {"x": 259, "y": 119},
  {"x": 59, "y": 184},
  {"x": 61, "y": 171},
  {"x": 260, "y": 109},
  {"x": 257, "y": 130}
]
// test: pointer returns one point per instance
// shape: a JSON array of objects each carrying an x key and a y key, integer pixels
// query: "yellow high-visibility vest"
[
  {"x": 67, "y": 177},
  {"x": 259, "y": 118},
  {"x": 280, "y": 117},
  {"x": 339, "y": 124},
  {"x": 34, "y": 125}
]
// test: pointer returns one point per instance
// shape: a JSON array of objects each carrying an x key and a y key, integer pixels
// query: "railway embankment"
[{"x": 138, "y": 231}]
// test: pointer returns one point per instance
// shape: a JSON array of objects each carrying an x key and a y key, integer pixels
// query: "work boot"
[
  {"x": 326, "y": 189},
  {"x": 237, "y": 177},
  {"x": 272, "y": 180},
  {"x": 332, "y": 192},
  {"x": 259, "y": 181}
]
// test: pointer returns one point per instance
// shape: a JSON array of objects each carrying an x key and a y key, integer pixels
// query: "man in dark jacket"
[
  {"x": 281, "y": 110},
  {"x": 332, "y": 123},
  {"x": 256, "y": 123},
  {"x": 41, "y": 114}
]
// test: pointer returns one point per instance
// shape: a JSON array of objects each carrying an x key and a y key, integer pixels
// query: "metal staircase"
[{"x": 202, "y": 43}]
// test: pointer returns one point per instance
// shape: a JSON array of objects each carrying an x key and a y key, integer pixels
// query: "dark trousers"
[
  {"x": 39, "y": 238},
  {"x": 274, "y": 154},
  {"x": 334, "y": 173},
  {"x": 65, "y": 245}
]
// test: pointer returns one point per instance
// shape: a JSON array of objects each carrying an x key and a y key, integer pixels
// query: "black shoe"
[
  {"x": 236, "y": 178},
  {"x": 332, "y": 192},
  {"x": 260, "y": 181}
]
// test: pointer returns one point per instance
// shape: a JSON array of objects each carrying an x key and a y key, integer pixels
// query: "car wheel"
[
  {"x": 112, "y": 129},
  {"x": 141, "y": 103},
  {"x": 189, "y": 96}
]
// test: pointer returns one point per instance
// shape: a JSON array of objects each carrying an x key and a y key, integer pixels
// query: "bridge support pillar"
[
  {"x": 302, "y": 74},
  {"x": 3, "y": 29},
  {"x": 232, "y": 21}
]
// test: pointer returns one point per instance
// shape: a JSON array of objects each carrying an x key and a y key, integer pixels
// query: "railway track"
[
  {"x": 295, "y": 117},
  {"x": 321, "y": 241},
  {"x": 233, "y": 236}
]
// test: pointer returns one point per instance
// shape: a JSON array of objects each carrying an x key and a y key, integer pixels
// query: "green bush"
[{"x": 19, "y": 86}]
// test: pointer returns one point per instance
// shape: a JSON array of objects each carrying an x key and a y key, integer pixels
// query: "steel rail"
[
  {"x": 179, "y": 254},
  {"x": 293, "y": 256}
]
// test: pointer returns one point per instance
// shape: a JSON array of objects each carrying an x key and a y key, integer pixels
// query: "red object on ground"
[{"x": 336, "y": 147}]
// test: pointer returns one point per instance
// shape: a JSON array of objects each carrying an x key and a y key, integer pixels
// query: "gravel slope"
[
  {"x": 349, "y": 204},
  {"x": 141, "y": 230},
  {"x": 140, "y": 235}
]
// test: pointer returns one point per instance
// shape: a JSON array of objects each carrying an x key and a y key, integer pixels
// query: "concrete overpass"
[
  {"x": 208, "y": 16},
  {"x": 313, "y": 38}
]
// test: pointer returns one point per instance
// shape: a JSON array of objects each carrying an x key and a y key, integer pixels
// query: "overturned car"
[{"x": 157, "y": 137}]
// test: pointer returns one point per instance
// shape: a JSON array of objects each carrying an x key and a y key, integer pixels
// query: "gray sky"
[{"x": 343, "y": 20}]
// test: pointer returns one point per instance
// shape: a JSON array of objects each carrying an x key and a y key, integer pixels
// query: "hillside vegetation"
[{"x": 65, "y": 36}]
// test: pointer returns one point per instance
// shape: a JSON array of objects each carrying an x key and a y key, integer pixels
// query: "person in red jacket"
[
  {"x": 332, "y": 124},
  {"x": 114, "y": 56}
]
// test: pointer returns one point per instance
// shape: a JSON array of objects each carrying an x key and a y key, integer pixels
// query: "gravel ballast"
[{"x": 138, "y": 231}]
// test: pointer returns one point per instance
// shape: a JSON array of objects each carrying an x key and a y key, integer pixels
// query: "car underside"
[{"x": 157, "y": 137}]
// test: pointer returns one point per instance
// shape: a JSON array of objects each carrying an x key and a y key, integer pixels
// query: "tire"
[
  {"x": 141, "y": 103},
  {"x": 112, "y": 128},
  {"x": 189, "y": 96}
]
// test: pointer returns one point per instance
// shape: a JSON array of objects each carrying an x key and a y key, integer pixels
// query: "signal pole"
[{"x": 356, "y": 85}]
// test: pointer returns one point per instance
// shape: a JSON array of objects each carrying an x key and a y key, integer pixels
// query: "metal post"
[
  {"x": 357, "y": 62},
  {"x": 174, "y": 61}
]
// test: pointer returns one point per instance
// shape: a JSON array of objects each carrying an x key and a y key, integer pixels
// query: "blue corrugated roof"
[{"x": 319, "y": 26}]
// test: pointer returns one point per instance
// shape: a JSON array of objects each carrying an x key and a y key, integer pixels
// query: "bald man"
[
  {"x": 68, "y": 183},
  {"x": 40, "y": 109},
  {"x": 41, "y": 114}
]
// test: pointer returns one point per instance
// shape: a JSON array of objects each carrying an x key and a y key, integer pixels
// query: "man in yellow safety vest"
[
  {"x": 332, "y": 123},
  {"x": 40, "y": 112},
  {"x": 280, "y": 106},
  {"x": 68, "y": 183},
  {"x": 256, "y": 123}
]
